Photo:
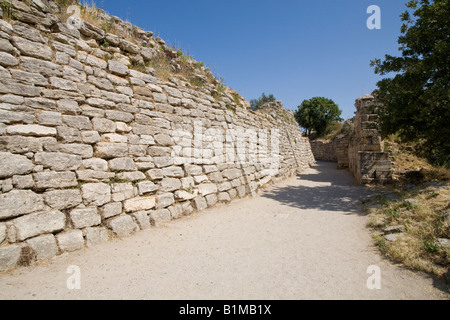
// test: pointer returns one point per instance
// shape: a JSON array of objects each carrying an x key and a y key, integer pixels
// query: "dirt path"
[{"x": 303, "y": 239}]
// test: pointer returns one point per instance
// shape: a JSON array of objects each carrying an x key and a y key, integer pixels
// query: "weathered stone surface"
[
  {"x": 173, "y": 172},
  {"x": 90, "y": 137},
  {"x": 122, "y": 191},
  {"x": 123, "y": 225},
  {"x": 71, "y": 240},
  {"x": 82, "y": 218},
  {"x": 142, "y": 219},
  {"x": 58, "y": 161},
  {"x": 108, "y": 150},
  {"x": 200, "y": 203},
  {"x": 183, "y": 195},
  {"x": 211, "y": 199},
  {"x": 118, "y": 68},
  {"x": 49, "y": 118},
  {"x": 145, "y": 187},
  {"x": 122, "y": 164},
  {"x": 103, "y": 125},
  {"x": 31, "y": 130},
  {"x": 158, "y": 217},
  {"x": 155, "y": 174},
  {"x": 111, "y": 209},
  {"x": 170, "y": 184},
  {"x": 95, "y": 164},
  {"x": 164, "y": 200},
  {"x": 38, "y": 223},
  {"x": 19, "y": 202},
  {"x": 14, "y": 164},
  {"x": 9, "y": 256},
  {"x": 95, "y": 235},
  {"x": 68, "y": 135},
  {"x": 8, "y": 60},
  {"x": 162, "y": 162},
  {"x": 94, "y": 176},
  {"x": 231, "y": 174},
  {"x": 2, "y": 232},
  {"x": 224, "y": 197},
  {"x": 52, "y": 179},
  {"x": 33, "y": 49},
  {"x": 96, "y": 194},
  {"x": 139, "y": 204},
  {"x": 82, "y": 150},
  {"x": 193, "y": 170},
  {"x": 131, "y": 176},
  {"x": 44, "y": 246},
  {"x": 79, "y": 122},
  {"x": 62, "y": 199},
  {"x": 207, "y": 188}
]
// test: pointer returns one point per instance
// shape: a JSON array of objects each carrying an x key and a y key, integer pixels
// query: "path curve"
[{"x": 302, "y": 239}]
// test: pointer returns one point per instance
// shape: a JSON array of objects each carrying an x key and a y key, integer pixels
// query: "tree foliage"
[
  {"x": 415, "y": 102},
  {"x": 317, "y": 114},
  {"x": 255, "y": 104}
]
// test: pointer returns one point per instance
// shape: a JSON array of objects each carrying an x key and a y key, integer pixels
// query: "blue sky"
[{"x": 294, "y": 49}]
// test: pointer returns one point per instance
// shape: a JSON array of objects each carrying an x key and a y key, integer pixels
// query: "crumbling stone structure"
[
  {"x": 93, "y": 144},
  {"x": 362, "y": 150}
]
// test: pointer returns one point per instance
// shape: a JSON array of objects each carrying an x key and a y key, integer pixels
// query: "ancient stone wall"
[
  {"x": 324, "y": 150},
  {"x": 93, "y": 144},
  {"x": 361, "y": 150}
]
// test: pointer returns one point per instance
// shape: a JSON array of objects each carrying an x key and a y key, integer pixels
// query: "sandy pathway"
[{"x": 303, "y": 239}]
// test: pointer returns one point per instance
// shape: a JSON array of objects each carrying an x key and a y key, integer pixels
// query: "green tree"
[
  {"x": 415, "y": 102},
  {"x": 255, "y": 104},
  {"x": 317, "y": 114}
]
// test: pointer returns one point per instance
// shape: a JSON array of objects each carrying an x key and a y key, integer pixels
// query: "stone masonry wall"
[
  {"x": 324, "y": 150},
  {"x": 92, "y": 148},
  {"x": 361, "y": 151}
]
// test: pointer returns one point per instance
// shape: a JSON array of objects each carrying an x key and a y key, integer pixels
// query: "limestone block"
[
  {"x": 31, "y": 130},
  {"x": 95, "y": 235},
  {"x": 139, "y": 204},
  {"x": 122, "y": 164},
  {"x": 200, "y": 203},
  {"x": 38, "y": 223},
  {"x": 207, "y": 188},
  {"x": 19, "y": 202},
  {"x": 14, "y": 164},
  {"x": 164, "y": 200},
  {"x": 131, "y": 176},
  {"x": 111, "y": 209},
  {"x": 122, "y": 191},
  {"x": 8, "y": 60},
  {"x": 82, "y": 218},
  {"x": 71, "y": 240},
  {"x": 62, "y": 199},
  {"x": 211, "y": 199},
  {"x": 58, "y": 161},
  {"x": 108, "y": 150},
  {"x": 160, "y": 216},
  {"x": 145, "y": 187},
  {"x": 96, "y": 194},
  {"x": 52, "y": 179},
  {"x": 123, "y": 225},
  {"x": 10, "y": 255},
  {"x": 170, "y": 184},
  {"x": 142, "y": 219},
  {"x": 43, "y": 246}
]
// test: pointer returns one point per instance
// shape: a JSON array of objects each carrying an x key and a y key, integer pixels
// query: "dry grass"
[{"x": 424, "y": 221}]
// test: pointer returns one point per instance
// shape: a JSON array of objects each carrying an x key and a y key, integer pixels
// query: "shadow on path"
[{"x": 322, "y": 187}]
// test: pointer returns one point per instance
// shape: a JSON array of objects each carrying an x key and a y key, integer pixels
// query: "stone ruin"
[{"x": 361, "y": 150}]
